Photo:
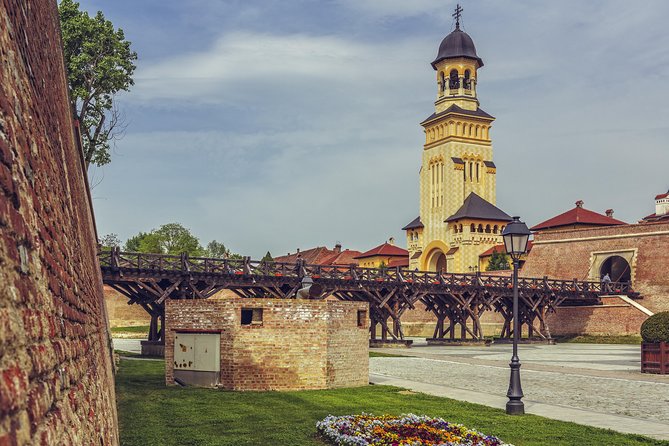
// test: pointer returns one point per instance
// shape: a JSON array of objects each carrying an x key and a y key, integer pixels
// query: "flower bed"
[{"x": 409, "y": 429}]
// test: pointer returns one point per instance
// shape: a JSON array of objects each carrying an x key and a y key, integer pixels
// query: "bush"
[{"x": 656, "y": 328}]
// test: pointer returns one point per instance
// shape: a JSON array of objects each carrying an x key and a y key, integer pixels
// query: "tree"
[
  {"x": 171, "y": 238},
  {"x": 498, "y": 261},
  {"x": 109, "y": 241},
  {"x": 133, "y": 243},
  {"x": 216, "y": 250},
  {"x": 100, "y": 63},
  {"x": 268, "y": 258}
]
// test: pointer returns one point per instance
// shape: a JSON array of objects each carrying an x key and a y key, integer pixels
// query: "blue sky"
[{"x": 272, "y": 125}]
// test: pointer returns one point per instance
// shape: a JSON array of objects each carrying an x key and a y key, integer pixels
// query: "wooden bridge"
[{"x": 457, "y": 300}]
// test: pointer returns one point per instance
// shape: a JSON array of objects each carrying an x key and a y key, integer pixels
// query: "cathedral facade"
[{"x": 458, "y": 218}]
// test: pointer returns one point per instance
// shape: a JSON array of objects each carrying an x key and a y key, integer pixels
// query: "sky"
[{"x": 276, "y": 125}]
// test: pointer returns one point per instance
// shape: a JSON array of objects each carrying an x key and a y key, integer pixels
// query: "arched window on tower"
[
  {"x": 477, "y": 173},
  {"x": 472, "y": 228},
  {"x": 460, "y": 228},
  {"x": 495, "y": 229},
  {"x": 487, "y": 229},
  {"x": 480, "y": 228},
  {"x": 442, "y": 82},
  {"x": 467, "y": 81},
  {"x": 453, "y": 80},
  {"x": 471, "y": 171}
]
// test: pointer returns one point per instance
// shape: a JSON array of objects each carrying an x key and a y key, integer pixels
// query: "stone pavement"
[{"x": 597, "y": 385}]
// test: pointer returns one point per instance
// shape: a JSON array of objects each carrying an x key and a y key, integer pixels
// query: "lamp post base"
[{"x": 515, "y": 407}]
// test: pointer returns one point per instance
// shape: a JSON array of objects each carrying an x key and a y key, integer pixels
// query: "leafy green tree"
[
  {"x": 268, "y": 258},
  {"x": 100, "y": 63},
  {"x": 109, "y": 241},
  {"x": 498, "y": 261},
  {"x": 133, "y": 243},
  {"x": 216, "y": 250},
  {"x": 171, "y": 238}
]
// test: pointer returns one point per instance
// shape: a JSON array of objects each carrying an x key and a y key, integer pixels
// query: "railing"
[{"x": 116, "y": 261}]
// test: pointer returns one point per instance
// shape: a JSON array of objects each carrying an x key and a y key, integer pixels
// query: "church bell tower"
[{"x": 456, "y": 160}]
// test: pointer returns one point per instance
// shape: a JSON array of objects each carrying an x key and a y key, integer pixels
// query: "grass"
[
  {"x": 613, "y": 339},
  {"x": 128, "y": 354},
  {"x": 152, "y": 414},
  {"x": 140, "y": 329},
  {"x": 387, "y": 355}
]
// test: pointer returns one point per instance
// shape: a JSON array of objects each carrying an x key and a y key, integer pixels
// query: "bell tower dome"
[{"x": 456, "y": 66}]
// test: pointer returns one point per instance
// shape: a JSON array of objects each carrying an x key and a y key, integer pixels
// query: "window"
[
  {"x": 454, "y": 80},
  {"x": 362, "y": 318},
  {"x": 251, "y": 316}
]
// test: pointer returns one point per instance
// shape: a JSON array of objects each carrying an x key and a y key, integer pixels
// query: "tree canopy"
[
  {"x": 498, "y": 261},
  {"x": 174, "y": 238},
  {"x": 100, "y": 63},
  {"x": 109, "y": 241}
]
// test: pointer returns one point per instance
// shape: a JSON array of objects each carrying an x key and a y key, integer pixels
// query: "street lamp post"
[{"x": 515, "y": 234}]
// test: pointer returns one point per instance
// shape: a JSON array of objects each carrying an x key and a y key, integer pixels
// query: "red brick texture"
[
  {"x": 56, "y": 382},
  {"x": 569, "y": 255},
  {"x": 301, "y": 344}
]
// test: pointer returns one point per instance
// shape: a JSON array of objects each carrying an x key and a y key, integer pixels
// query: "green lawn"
[
  {"x": 140, "y": 329},
  {"x": 387, "y": 355},
  {"x": 591, "y": 339},
  {"x": 152, "y": 414}
]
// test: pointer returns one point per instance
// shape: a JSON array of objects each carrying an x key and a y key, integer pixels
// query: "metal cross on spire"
[{"x": 457, "y": 14}]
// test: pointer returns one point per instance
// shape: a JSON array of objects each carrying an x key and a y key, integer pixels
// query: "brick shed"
[
  {"x": 267, "y": 344},
  {"x": 56, "y": 381}
]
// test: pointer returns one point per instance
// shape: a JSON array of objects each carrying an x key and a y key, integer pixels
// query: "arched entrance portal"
[
  {"x": 618, "y": 269},
  {"x": 437, "y": 261}
]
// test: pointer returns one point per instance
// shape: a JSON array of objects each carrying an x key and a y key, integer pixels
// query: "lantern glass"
[{"x": 516, "y": 235}]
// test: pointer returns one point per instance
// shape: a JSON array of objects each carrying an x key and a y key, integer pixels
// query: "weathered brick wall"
[
  {"x": 56, "y": 383},
  {"x": 302, "y": 344},
  {"x": 568, "y": 255},
  {"x": 614, "y": 317}
]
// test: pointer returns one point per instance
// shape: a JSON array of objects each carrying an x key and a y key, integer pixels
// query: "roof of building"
[
  {"x": 416, "y": 255},
  {"x": 322, "y": 256},
  {"x": 577, "y": 216},
  {"x": 457, "y": 44},
  {"x": 501, "y": 248},
  {"x": 385, "y": 249},
  {"x": 345, "y": 257},
  {"x": 457, "y": 160},
  {"x": 661, "y": 196},
  {"x": 477, "y": 208},
  {"x": 415, "y": 224},
  {"x": 489, "y": 164},
  {"x": 479, "y": 113},
  {"x": 654, "y": 217}
]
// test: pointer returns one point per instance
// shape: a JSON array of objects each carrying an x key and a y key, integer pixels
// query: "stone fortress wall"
[
  {"x": 579, "y": 253},
  {"x": 56, "y": 380}
]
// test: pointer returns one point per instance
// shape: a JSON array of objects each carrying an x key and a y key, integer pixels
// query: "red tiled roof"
[
  {"x": 578, "y": 216},
  {"x": 501, "y": 248},
  {"x": 402, "y": 261},
  {"x": 496, "y": 248},
  {"x": 385, "y": 249},
  {"x": 658, "y": 197},
  {"x": 346, "y": 257},
  {"x": 654, "y": 217},
  {"x": 313, "y": 256}
]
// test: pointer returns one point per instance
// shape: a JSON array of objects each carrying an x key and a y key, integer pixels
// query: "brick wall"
[
  {"x": 614, "y": 317},
  {"x": 56, "y": 382},
  {"x": 570, "y": 254},
  {"x": 301, "y": 344}
]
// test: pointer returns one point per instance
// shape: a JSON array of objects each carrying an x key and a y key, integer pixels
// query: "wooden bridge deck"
[{"x": 457, "y": 300}]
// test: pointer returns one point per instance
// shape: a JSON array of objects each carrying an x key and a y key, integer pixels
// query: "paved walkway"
[{"x": 597, "y": 385}]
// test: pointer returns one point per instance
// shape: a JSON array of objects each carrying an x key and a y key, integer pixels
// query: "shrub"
[{"x": 656, "y": 328}]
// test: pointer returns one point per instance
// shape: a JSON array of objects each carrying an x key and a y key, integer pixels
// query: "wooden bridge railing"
[{"x": 117, "y": 261}]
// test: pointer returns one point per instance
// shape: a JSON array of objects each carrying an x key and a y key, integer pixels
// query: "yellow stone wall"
[{"x": 375, "y": 262}]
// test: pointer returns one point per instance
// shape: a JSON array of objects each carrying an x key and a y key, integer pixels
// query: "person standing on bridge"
[{"x": 606, "y": 283}]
